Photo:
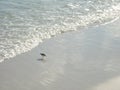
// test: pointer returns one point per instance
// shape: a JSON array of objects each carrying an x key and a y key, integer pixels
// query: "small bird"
[{"x": 43, "y": 55}]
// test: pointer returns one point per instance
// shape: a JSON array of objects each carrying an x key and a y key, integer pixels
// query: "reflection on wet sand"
[
  {"x": 84, "y": 60},
  {"x": 112, "y": 84}
]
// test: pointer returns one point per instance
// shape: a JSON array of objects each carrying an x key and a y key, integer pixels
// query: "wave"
[{"x": 23, "y": 39}]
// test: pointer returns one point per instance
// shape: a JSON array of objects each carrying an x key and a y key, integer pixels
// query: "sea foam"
[{"x": 22, "y": 30}]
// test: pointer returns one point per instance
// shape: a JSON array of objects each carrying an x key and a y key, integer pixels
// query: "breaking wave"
[{"x": 23, "y": 26}]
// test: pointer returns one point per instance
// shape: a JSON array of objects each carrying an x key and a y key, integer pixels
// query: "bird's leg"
[{"x": 43, "y": 57}]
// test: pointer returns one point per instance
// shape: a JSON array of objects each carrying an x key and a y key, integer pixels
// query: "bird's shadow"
[{"x": 41, "y": 59}]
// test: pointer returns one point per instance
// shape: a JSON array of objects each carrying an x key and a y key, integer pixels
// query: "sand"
[{"x": 88, "y": 59}]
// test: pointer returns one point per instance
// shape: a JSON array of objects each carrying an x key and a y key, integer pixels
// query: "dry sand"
[{"x": 84, "y": 60}]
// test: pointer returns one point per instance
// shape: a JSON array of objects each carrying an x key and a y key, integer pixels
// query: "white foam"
[{"x": 31, "y": 37}]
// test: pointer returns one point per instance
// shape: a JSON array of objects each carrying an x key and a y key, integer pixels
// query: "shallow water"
[
  {"x": 24, "y": 24},
  {"x": 82, "y": 60}
]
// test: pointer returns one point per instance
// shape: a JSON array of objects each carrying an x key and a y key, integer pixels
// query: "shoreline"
[{"x": 75, "y": 60}]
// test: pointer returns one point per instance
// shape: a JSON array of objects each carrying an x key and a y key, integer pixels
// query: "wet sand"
[{"x": 88, "y": 59}]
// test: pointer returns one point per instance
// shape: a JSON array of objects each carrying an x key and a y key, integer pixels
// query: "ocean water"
[{"x": 26, "y": 23}]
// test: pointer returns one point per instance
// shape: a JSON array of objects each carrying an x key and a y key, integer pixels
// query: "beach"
[{"x": 87, "y": 59}]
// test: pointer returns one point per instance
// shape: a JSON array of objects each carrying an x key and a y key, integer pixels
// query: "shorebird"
[{"x": 43, "y": 55}]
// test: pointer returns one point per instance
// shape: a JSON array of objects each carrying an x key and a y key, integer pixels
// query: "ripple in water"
[{"x": 24, "y": 24}]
